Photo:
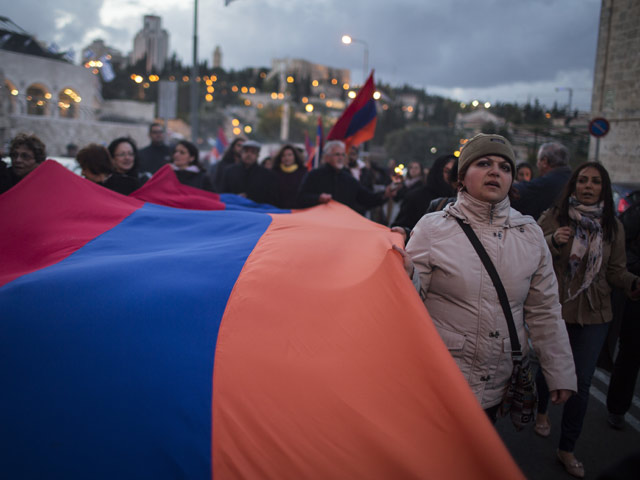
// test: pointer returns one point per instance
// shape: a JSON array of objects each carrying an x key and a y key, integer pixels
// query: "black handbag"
[{"x": 520, "y": 397}]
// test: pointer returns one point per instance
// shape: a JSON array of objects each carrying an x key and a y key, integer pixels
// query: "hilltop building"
[
  {"x": 153, "y": 42},
  {"x": 217, "y": 57}
]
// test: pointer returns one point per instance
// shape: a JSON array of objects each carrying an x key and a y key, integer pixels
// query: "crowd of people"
[{"x": 554, "y": 239}]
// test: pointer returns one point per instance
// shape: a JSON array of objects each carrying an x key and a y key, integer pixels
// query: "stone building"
[
  {"x": 43, "y": 94},
  {"x": 217, "y": 57},
  {"x": 616, "y": 89},
  {"x": 152, "y": 41}
]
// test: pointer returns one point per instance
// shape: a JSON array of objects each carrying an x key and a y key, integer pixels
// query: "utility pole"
[
  {"x": 194, "y": 75},
  {"x": 284, "y": 124},
  {"x": 280, "y": 68}
]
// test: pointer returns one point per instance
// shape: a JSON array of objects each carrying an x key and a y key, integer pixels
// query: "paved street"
[{"x": 598, "y": 447}]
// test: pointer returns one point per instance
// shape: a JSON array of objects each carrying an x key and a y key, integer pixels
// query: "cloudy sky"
[{"x": 492, "y": 50}]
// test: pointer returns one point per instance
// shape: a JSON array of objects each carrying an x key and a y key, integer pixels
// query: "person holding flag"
[
  {"x": 333, "y": 182},
  {"x": 289, "y": 169}
]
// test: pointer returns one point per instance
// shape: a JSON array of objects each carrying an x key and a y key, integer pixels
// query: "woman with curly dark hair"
[
  {"x": 26, "y": 153},
  {"x": 96, "y": 165},
  {"x": 290, "y": 170},
  {"x": 124, "y": 157},
  {"x": 587, "y": 245}
]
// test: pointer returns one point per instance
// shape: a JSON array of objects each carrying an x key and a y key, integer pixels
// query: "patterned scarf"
[{"x": 587, "y": 241}]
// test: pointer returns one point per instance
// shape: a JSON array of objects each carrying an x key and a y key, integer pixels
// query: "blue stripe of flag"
[
  {"x": 362, "y": 118},
  {"x": 106, "y": 358}
]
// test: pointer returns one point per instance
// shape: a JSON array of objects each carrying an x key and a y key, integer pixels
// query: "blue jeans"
[{"x": 586, "y": 343}]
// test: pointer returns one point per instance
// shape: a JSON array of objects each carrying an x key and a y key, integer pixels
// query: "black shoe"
[{"x": 616, "y": 421}]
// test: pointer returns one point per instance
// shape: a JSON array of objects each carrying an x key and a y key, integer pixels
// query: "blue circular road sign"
[{"x": 599, "y": 127}]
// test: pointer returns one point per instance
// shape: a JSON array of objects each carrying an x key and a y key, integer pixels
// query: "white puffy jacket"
[{"x": 464, "y": 305}]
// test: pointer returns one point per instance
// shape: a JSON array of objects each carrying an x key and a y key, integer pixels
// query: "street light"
[{"x": 347, "y": 40}]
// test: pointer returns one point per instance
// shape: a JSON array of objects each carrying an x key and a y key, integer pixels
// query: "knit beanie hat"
[{"x": 482, "y": 145}]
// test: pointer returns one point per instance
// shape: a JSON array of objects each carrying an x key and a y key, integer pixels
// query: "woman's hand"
[
  {"x": 391, "y": 190},
  {"x": 401, "y": 231},
  {"x": 560, "y": 396},
  {"x": 562, "y": 235},
  {"x": 406, "y": 260}
]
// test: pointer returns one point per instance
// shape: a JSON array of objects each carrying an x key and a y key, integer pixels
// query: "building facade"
[
  {"x": 616, "y": 90},
  {"x": 217, "y": 57},
  {"x": 61, "y": 103},
  {"x": 152, "y": 41}
]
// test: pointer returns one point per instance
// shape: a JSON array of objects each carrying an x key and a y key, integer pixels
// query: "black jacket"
[
  {"x": 541, "y": 192},
  {"x": 195, "y": 179},
  {"x": 7, "y": 178},
  {"x": 258, "y": 183},
  {"x": 152, "y": 157},
  {"x": 631, "y": 221},
  {"x": 340, "y": 184},
  {"x": 124, "y": 184},
  {"x": 288, "y": 185}
]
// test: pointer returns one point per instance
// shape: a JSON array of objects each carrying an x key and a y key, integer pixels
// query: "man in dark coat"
[
  {"x": 157, "y": 153},
  {"x": 541, "y": 192},
  {"x": 249, "y": 179},
  {"x": 333, "y": 182}
]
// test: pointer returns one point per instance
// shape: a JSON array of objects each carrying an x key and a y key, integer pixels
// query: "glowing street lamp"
[{"x": 348, "y": 40}]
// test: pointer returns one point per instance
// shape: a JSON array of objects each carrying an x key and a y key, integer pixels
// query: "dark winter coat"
[
  {"x": 195, "y": 179},
  {"x": 124, "y": 184},
  {"x": 288, "y": 185},
  {"x": 541, "y": 192},
  {"x": 340, "y": 184},
  {"x": 152, "y": 157},
  {"x": 256, "y": 182}
]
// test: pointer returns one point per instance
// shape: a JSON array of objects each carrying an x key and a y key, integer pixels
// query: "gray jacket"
[{"x": 463, "y": 303}]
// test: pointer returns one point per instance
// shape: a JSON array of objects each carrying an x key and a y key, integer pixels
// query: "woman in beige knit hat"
[{"x": 459, "y": 294}]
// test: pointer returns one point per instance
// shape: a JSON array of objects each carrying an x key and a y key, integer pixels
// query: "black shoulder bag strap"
[{"x": 516, "y": 352}]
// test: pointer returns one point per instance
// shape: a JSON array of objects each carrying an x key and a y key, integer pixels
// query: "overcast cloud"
[{"x": 494, "y": 50}]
